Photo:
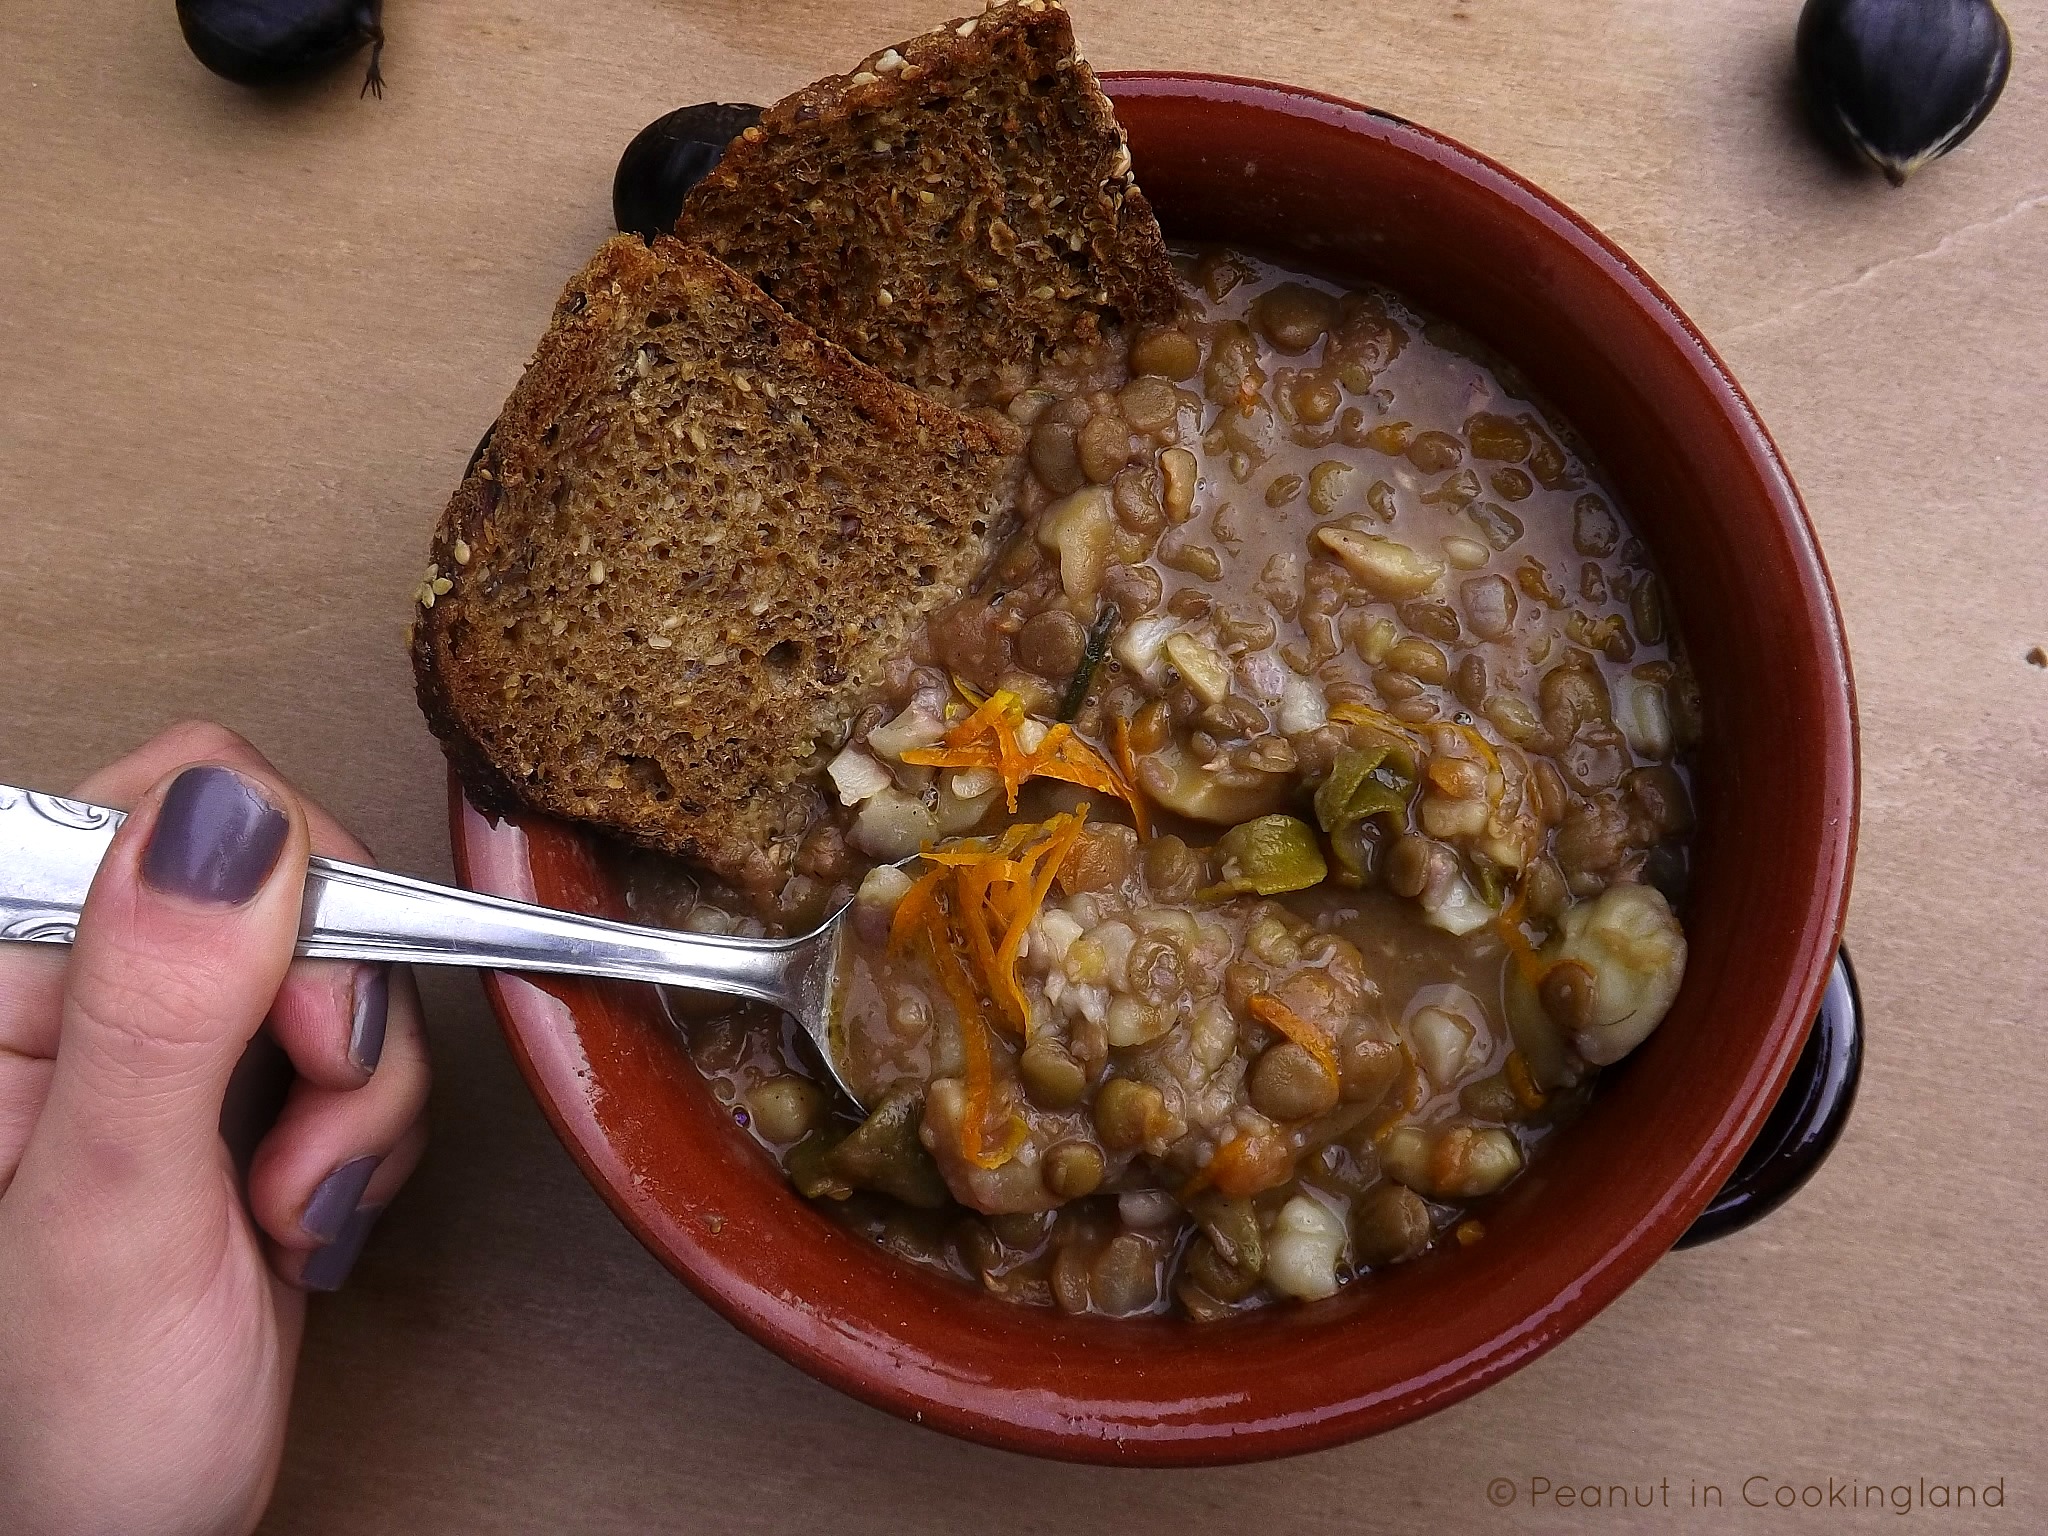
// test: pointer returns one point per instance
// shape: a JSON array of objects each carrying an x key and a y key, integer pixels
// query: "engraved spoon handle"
[{"x": 50, "y": 848}]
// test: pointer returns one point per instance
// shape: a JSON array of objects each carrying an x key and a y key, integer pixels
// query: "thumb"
[{"x": 183, "y": 942}]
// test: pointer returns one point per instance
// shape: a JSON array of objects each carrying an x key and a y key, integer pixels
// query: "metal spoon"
[{"x": 50, "y": 848}]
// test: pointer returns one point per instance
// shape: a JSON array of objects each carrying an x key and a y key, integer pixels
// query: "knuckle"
[
  {"x": 206, "y": 741},
  {"x": 331, "y": 839}
]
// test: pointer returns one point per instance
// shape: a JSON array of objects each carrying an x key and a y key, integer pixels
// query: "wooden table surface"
[{"x": 246, "y": 344}]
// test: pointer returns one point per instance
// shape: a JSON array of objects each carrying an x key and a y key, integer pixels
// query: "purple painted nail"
[
  {"x": 216, "y": 839},
  {"x": 366, "y": 1023},
  {"x": 326, "y": 1268},
  {"x": 327, "y": 1212}
]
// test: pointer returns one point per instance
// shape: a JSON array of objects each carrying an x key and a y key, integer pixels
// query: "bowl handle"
[{"x": 1803, "y": 1125}]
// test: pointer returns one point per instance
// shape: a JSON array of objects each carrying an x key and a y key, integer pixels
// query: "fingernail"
[
  {"x": 216, "y": 838},
  {"x": 366, "y": 1023},
  {"x": 326, "y": 1268},
  {"x": 327, "y": 1212}
]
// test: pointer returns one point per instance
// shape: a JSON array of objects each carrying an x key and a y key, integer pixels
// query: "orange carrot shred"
[{"x": 1000, "y": 708}]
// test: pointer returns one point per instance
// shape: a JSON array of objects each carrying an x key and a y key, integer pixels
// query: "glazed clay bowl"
[{"x": 1353, "y": 194}]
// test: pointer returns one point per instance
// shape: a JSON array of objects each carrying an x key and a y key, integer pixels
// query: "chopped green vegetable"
[
  {"x": 1267, "y": 856},
  {"x": 885, "y": 1155},
  {"x": 808, "y": 1166},
  {"x": 1486, "y": 879},
  {"x": 1233, "y": 1226},
  {"x": 1091, "y": 658},
  {"x": 1362, "y": 784}
]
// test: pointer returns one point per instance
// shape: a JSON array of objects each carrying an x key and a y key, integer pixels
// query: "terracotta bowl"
[{"x": 1354, "y": 194}]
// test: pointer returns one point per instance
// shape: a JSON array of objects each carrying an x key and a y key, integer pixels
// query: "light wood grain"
[{"x": 247, "y": 344}]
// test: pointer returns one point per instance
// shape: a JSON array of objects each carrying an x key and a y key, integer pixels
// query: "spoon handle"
[{"x": 50, "y": 848}]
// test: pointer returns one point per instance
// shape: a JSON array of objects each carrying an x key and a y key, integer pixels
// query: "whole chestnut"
[
  {"x": 1901, "y": 82},
  {"x": 667, "y": 158}
]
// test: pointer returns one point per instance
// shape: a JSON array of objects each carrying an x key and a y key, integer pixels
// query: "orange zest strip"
[
  {"x": 974, "y": 889},
  {"x": 912, "y": 909},
  {"x": 1365, "y": 714},
  {"x": 1002, "y": 707},
  {"x": 1231, "y": 1170},
  {"x": 1073, "y": 761},
  {"x": 958, "y": 856},
  {"x": 970, "y": 908},
  {"x": 1509, "y": 924},
  {"x": 975, "y": 1048},
  {"x": 1273, "y": 1013},
  {"x": 919, "y": 914},
  {"x": 987, "y": 738},
  {"x": 1064, "y": 756},
  {"x": 971, "y": 756},
  {"x": 1051, "y": 853},
  {"x": 1482, "y": 746},
  {"x": 1415, "y": 1097},
  {"x": 1519, "y": 1079},
  {"x": 1127, "y": 766}
]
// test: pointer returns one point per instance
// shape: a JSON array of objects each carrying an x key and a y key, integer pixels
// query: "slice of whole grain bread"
[
  {"x": 692, "y": 541},
  {"x": 951, "y": 211}
]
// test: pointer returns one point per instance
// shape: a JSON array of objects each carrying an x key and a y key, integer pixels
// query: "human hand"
[{"x": 149, "y": 1318}]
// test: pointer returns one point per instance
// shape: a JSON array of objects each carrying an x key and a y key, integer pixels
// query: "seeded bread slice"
[
  {"x": 960, "y": 205},
  {"x": 686, "y": 551}
]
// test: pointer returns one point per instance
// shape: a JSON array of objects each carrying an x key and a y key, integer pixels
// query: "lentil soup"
[{"x": 1259, "y": 866}]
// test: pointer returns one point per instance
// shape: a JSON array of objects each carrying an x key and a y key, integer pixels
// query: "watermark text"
[{"x": 1754, "y": 1490}]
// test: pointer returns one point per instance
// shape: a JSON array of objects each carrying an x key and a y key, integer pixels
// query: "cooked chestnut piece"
[
  {"x": 1901, "y": 82},
  {"x": 270, "y": 42},
  {"x": 667, "y": 158}
]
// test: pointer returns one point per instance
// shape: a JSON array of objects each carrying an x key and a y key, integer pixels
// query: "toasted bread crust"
[
  {"x": 959, "y": 206},
  {"x": 681, "y": 559}
]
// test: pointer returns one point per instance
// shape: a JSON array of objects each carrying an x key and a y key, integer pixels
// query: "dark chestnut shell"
[
  {"x": 270, "y": 42},
  {"x": 1901, "y": 82},
  {"x": 667, "y": 158}
]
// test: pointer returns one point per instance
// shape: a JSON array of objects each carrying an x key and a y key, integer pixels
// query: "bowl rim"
[{"x": 531, "y": 1016}]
